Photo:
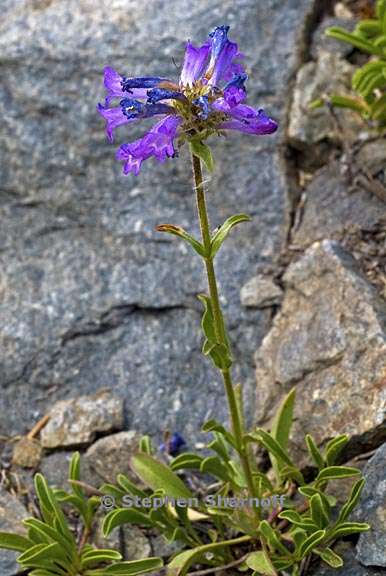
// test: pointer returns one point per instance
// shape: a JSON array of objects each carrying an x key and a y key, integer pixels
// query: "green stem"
[{"x": 236, "y": 419}]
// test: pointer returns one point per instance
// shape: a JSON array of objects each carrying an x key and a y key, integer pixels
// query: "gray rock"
[
  {"x": 27, "y": 453},
  {"x": 129, "y": 539},
  {"x": 77, "y": 421},
  {"x": 329, "y": 339},
  {"x": 111, "y": 455},
  {"x": 330, "y": 74},
  {"x": 322, "y": 43},
  {"x": 91, "y": 295},
  {"x": 331, "y": 209},
  {"x": 260, "y": 292},
  {"x": 351, "y": 566},
  {"x": 12, "y": 512},
  {"x": 55, "y": 468},
  {"x": 372, "y": 509}
]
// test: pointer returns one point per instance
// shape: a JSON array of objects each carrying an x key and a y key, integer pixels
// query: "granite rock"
[
  {"x": 89, "y": 290},
  {"x": 328, "y": 340},
  {"x": 260, "y": 292},
  {"x": 77, "y": 421},
  {"x": 322, "y": 43},
  {"x": 110, "y": 456},
  {"x": 351, "y": 566},
  {"x": 372, "y": 509},
  {"x": 329, "y": 74},
  {"x": 333, "y": 207},
  {"x": 12, "y": 512}
]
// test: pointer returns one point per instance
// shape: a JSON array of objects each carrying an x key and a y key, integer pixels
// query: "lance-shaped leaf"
[
  {"x": 330, "y": 557},
  {"x": 272, "y": 538},
  {"x": 271, "y": 445},
  {"x": 352, "y": 501},
  {"x": 260, "y": 563},
  {"x": 347, "y": 528},
  {"x": 350, "y": 102},
  {"x": 336, "y": 472},
  {"x": 130, "y": 567},
  {"x": 319, "y": 514},
  {"x": 311, "y": 542},
  {"x": 94, "y": 556},
  {"x": 334, "y": 448},
  {"x": 218, "y": 352},
  {"x": 11, "y": 541},
  {"x": 158, "y": 476},
  {"x": 219, "y": 237},
  {"x": 181, "y": 233},
  {"x": 186, "y": 460},
  {"x": 124, "y": 516},
  {"x": 354, "y": 40},
  {"x": 281, "y": 427},
  {"x": 214, "y": 426},
  {"x": 314, "y": 452},
  {"x": 203, "y": 152}
]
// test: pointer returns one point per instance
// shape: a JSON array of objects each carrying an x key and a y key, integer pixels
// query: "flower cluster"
[{"x": 208, "y": 99}]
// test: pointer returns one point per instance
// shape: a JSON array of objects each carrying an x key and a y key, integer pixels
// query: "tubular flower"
[{"x": 207, "y": 99}]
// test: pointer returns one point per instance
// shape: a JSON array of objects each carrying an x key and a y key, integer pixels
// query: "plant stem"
[{"x": 235, "y": 416}]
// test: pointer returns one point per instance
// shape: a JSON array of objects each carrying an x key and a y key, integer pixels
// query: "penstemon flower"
[{"x": 208, "y": 99}]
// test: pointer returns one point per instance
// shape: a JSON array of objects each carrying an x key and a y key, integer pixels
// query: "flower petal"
[
  {"x": 113, "y": 85},
  {"x": 234, "y": 91},
  {"x": 247, "y": 119},
  {"x": 158, "y": 142},
  {"x": 114, "y": 117},
  {"x": 145, "y": 82},
  {"x": 156, "y": 94},
  {"x": 194, "y": 63},
  {"x": 132, "y": 109},
  {"x": 202, "y": 102},
  {"x": 223, "y": 52}
]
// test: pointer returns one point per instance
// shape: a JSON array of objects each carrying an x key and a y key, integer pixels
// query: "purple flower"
[
  {"x": 207, "y": 99},
  {"x": 173, "y": 445}
]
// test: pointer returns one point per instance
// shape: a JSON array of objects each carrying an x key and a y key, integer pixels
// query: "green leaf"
[
  {"x": 281, "y": 427},
  {"x": 304, "y": 523},
  {"x": 74, "y": 474},
  {"x": 356, "y": 41},
  {"x": 319, "y": 514},
  {"x": 330, "y": 557},
  {"x": 129, "y": 486},
  {"x": 219, "y": 237},
  {"x": 145, "y": 445},
  {"x": 271, "y": 445},
  {"x": 292, "y": 473},
  {"x": 282, "y": 421},
  {"x": 158, "y": 476},
  {"x": 352, "y": 500},
  {"x": 181, "y": 233},
  {"x": 334, "y": 447},
  {"x": 130, "y": 568},
  {"x": 213, "y": 465},
  {"x": 350, "y": 102},
  {"x": 203, "y": 152},
  {"x": 336, "y": 472},
  {"x": 14, "y": 542},
  {"x": 40, "y": 552},
  {"x": 347, "y": 528},
  {"x": 272, "y": 538},
  {"x": 124, "y": 516},
  {"x": 260, "y": 563},
  {"x": 369, "y": 27},
  {"x": 186, "y": 460},
  {"x": 311, "y": 542},
  {"x": 380, "y": 9},
  {"x": 218, "y": 352},
  {"x": 49, "y": 534},
  {"x": 214, "y": 426},
  {"x": 92, "y": 557},
  {"x": 314, "y": 452}
]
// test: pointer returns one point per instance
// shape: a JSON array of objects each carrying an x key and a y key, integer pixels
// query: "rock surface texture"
[
  {"x": 329, "y": 339},
  {"x": 91, "y": 295},
  {"x": 372, "y": 506},
  {"x": 12, "y": 512}
]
